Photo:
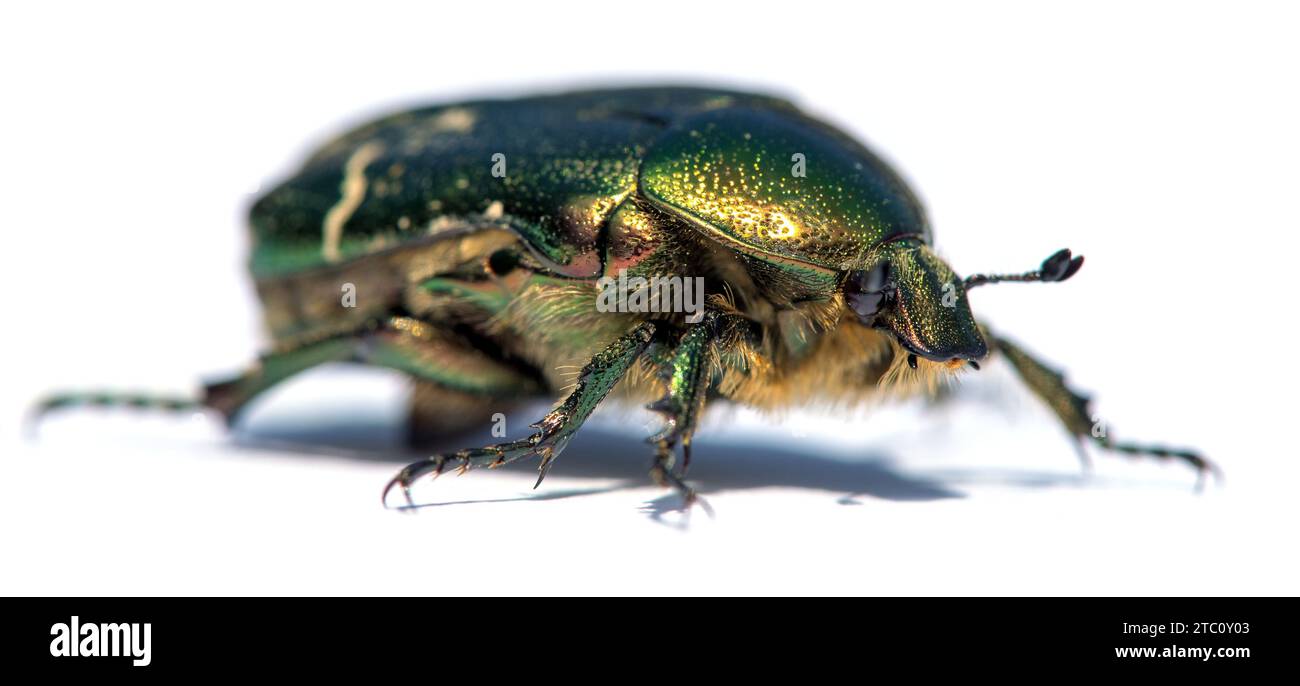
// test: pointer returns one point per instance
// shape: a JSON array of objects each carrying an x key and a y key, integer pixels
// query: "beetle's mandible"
[{"x": 480, "y": 241}]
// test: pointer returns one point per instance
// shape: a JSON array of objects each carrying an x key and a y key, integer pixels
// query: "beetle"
[{"x": 476, "y": 239}]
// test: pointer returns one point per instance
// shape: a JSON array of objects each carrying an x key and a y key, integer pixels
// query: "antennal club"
[{"x": 1059, "y": 267}]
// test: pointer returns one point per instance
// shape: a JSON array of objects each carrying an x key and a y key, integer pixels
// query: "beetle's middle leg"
[
  {"x": 1072, "y": 408},
  {"x": 596, "y": 379},
  {"x": 683, "y": 370},
  {"x": 688, "y": 370}
]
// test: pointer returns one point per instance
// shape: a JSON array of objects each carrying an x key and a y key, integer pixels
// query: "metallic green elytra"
[{"x": 474, "y": 246}]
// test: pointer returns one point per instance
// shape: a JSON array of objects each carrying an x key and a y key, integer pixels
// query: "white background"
[{"x": 1161, "y": 140}]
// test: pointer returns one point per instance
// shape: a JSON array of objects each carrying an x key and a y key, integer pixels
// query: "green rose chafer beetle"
[{"x": 475, "y": 240}]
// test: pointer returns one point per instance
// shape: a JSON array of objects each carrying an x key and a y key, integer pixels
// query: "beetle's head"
[
  {"x": 908, "y": 291},
  {"x": 904, "y": 288}
]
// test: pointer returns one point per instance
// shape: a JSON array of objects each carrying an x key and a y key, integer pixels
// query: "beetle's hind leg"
[
  {"x": 227, "y": 397},
  {"x": 554, "y": 431},
  {"x": 1072, "y": 408},
  {"x": 140, "y": 401}
]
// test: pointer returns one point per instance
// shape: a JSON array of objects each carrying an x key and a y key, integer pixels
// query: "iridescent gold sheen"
[{"x": 780, "y": 183}]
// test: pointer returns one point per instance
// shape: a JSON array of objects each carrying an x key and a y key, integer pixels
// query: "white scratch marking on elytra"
[
  {"x": 453, "y": 120},
  {"x": 352, "y": 191}
]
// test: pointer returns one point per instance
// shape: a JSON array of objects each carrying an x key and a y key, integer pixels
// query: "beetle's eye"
[
  {"x": 866, "y": 291},
  {"x": 866, "y": 304},
  {"x": 874, "y": 279}
]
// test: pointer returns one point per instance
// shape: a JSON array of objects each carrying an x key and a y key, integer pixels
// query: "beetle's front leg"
[
  {"x": 1073, "y": 410},
  {"x": 554, "y": 430}
]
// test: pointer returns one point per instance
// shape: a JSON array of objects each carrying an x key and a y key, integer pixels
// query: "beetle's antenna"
[{"x": 1059, "y": 267}]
